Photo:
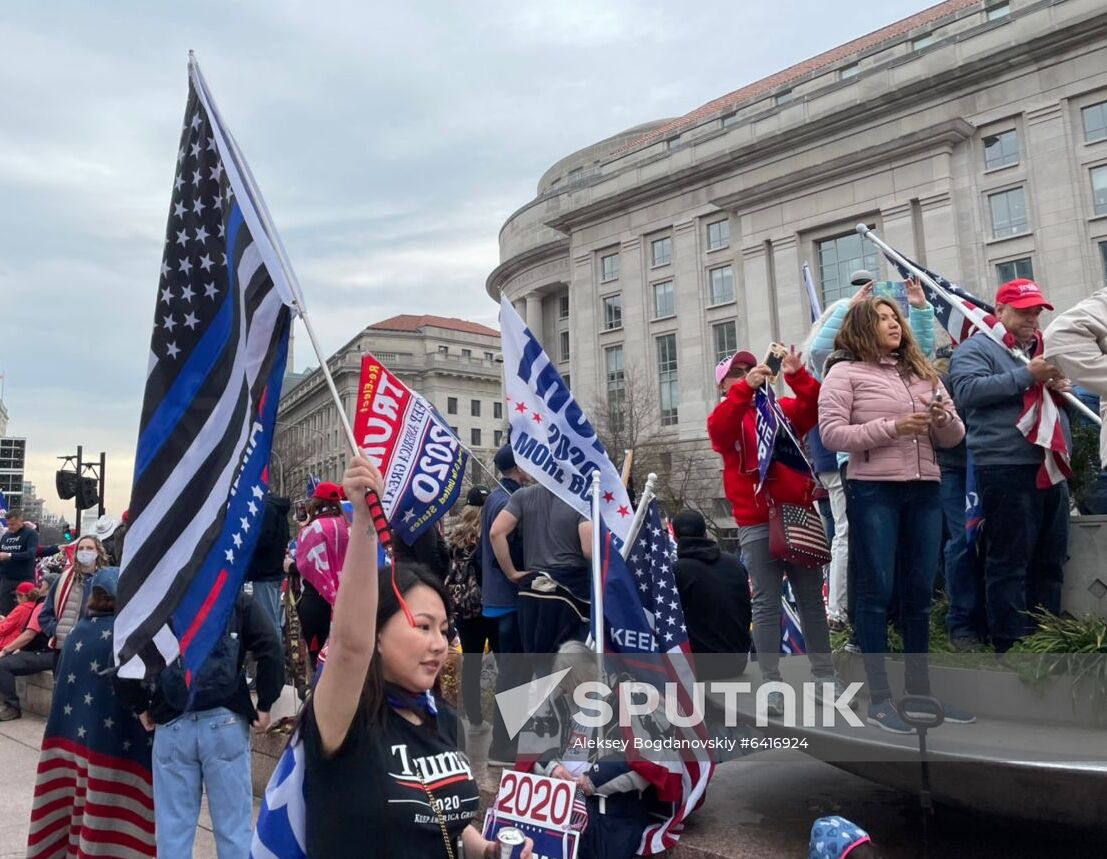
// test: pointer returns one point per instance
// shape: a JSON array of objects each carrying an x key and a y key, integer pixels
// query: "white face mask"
[{"x": 86, "y": 557}]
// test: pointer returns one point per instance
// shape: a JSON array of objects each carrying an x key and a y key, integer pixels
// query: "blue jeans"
[
  {"x": 964, "y": 577},
  {"x": 894, "y": 525},
  {"x": 209, "y": 750},
  {"x": 1027, "y": 533},
  {"x": 267, "y": 595}
]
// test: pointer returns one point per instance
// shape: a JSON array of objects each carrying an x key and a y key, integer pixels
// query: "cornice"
[{"x": 543, "y": 253}]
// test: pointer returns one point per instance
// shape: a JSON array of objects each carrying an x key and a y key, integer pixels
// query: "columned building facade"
[
  {"x": 971, "y": 136},
  {"x": 453, "y": 363}
]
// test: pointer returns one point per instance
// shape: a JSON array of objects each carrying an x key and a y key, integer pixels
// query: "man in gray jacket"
[{"x": 1025, "y": 525}]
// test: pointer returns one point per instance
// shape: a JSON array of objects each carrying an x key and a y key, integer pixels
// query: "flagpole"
[
  {"x": 597, "y": 565},
  {"x": 972, "y": 312},
  {"x": 640, "y": 513}
]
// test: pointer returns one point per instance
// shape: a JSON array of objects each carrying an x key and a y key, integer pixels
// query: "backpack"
[
  {"x": 216, "y": 681},
  {"x": 463, "y": 584}
]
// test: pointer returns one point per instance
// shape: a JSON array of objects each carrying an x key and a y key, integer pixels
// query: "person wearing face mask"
[
  {"x": 68, "y": 596},
  {"x": 883, "y": 404}
]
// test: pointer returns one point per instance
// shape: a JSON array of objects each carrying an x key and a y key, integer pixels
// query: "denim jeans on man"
[
  {"x": 964, "y": 576},
  {"x": 206, "y": 750},
  {"x": 511, "y": 671},
  {"x": 890, "y": 522},
  {"x": 1027, "y": 532}
]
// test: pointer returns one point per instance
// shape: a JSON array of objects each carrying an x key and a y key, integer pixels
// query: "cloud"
[{"x": 391, "y": 141}]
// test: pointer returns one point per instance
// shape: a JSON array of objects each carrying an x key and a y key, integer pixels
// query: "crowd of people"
[{"x": 881, "y": 424}]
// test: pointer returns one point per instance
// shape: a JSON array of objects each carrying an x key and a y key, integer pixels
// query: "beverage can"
[{"x": 511, "y": 842}]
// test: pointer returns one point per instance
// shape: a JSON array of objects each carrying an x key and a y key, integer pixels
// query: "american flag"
[
  {"x": 643, "y": 615},
  {"x": 963, "y": 315},
  {"x": 94, "y": 790},
  {"x": 791, "y": 632},
  {"x": 960, "y": 316},
  {"x": 216, "y": 362}
]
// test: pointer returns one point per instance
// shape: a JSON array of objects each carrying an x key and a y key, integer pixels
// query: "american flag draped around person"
[
  {"x": 216, "y": 361},
  {"x": 643, "y": 616}
]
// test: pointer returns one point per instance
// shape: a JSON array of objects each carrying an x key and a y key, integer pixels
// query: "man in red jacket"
[{"x": 732, "y": 427}]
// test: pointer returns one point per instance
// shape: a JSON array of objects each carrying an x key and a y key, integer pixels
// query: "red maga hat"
[
  {"x": 327, "y": 491},
  {"x": 1023, "y": 294}
]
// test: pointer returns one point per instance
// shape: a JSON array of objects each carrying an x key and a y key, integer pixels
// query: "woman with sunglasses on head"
[{"x": 383, "y": 772}]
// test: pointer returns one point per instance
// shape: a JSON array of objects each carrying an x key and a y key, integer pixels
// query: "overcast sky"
[{"x": 390, "y": 143}]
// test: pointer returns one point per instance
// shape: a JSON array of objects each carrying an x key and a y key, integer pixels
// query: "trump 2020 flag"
[
  {"x": 419, "y": 456},
  {"x": 551, "y": 436},
  {"x": 216, "y": 360}
]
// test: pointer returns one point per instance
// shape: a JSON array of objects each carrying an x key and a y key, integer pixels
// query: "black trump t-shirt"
[{"x": 368, "y": 798}]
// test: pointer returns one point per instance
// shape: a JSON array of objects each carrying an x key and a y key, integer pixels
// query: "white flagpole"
[
  {"x": 640, "y": 513},
  {"x": 597, "y": 565},
  {"x": 973, "y": 313}
]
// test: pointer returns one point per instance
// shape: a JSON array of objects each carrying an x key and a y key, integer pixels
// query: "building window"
[
  {"x": 565, "y": 379},
  {"x": 1103, "y": 257},
  {"x": 453, "y": 429},
  {"x": 488, "y": 356},
  {"x": 497, "y": 437},
  {"x": 498, "y": 410},
  {"x": 466, "y": 353},
  {"x": 563, "y": 306},
  {"x": 922, "y": 42},
  {"x": 784, "y": 98},
  {"x": 664, "y": 303},
  {"x": 443, "y": 350},
  {"x": 718, "y": 235},
  {"x": 1000, "y": 10},
  {"x": 474, "y": 408},
  {"x": 1014, "y": 269},
  {"x": 563, "y": 346},
  {"x": 1095, "y": 122},
  {"x": 839, "y": 258},
  {"x": 575, "y": 174},
  {"x": 616, "y": 388},
  {"x": 720, "y": 285},
  {"x": 850, "y": 71},
  {"x": 725, "y": 335},
  {"x": 474, "y": 437},
  {"x": 613, "y": 312},
  {"x": 1001, "y": 150},
  {"x": 1099, "y": 190},
  {"x": 661, "y": 251},
  {"x": 667, "y": 378},
  {"x": 451, "y": 405},
  {"x": 609, "y": 267},
  {"x": 1008, "y": 210}
]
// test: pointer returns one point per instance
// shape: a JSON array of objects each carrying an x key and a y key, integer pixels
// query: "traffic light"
[
  {"x": 87, "y": 494},
  {"x": 66, "y": 483}
]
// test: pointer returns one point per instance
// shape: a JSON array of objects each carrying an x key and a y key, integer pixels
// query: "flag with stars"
[
  {"x": 644, "y": 621},
  {"x": 551, "y": 436},
  {"x": 960, "y": 312},
  {"x": 216, "y": 361},
  {"x": 94, "y": 792}
]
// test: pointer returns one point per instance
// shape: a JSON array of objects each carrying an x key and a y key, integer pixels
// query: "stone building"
[
  {"x": 971, "y": 136},
  {"x": 451, "y": 362}
]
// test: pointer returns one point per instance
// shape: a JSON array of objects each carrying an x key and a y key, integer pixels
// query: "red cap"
[
  {"x": 723, "y": 367},
  {"x": 329, "y": 492},
  {"x": 24, "y": 588},
  {"x": 1022, "y": 294}
]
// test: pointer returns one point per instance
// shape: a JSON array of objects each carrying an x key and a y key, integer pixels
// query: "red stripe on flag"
[{"x": 204, "y": 611}]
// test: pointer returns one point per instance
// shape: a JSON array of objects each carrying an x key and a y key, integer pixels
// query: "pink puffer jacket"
[{"x": 858, "y": 408}]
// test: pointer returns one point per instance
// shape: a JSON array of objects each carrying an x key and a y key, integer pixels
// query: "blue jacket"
[
  {"x": 988, "y": 386},
  {"x": 496, "y": 590},
  {"x": 822, "y": 459},
  {"x": 22, "y": 545}
]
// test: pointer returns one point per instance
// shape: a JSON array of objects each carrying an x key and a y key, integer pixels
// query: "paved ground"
[{"x": 19, "y": 746}]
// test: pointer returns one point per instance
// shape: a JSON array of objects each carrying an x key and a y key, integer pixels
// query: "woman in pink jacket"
[{"x": 883, "y": 403}]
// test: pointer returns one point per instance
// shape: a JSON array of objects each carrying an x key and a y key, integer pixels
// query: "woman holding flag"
[
  {"x": 882, "y": 403},
  {"x": 383, "y": 773},
  {"x": 733, "y": 429}
]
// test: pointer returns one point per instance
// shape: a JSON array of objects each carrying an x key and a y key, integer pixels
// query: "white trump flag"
[{"x": 551, "y": 436}]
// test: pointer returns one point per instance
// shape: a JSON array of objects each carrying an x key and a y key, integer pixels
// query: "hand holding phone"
[{"x": 774, "y": 358}]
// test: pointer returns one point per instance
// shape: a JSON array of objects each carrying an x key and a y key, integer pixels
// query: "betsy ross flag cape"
[{"x": 215, "y": 364}]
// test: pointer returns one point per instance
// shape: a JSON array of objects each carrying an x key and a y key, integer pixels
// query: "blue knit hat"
[
  {"x": 834, "y": 838},
  {"x": 107, "y": 579}
]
